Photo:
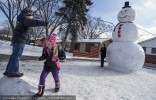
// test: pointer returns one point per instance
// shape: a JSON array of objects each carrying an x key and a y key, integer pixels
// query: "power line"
[
  {"x": 137, "y": 27},
  {"x": 146, "y": 31}
]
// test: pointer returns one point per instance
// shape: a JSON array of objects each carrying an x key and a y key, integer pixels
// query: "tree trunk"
[
  {"x": 34, "y": 41},
  {"x": 8, "y": 36},
  {"x": 72, "y": 46},
  {"x": 13, "y": 28},
  {"x": 46, "y": 31},
  {"x": 65, "y": 39}
]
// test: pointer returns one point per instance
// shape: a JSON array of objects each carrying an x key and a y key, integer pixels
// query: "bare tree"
[
  {"x": 11, "y": 9},
  {"x": 47, "y": 13},
  {"x": 95, "y": 27},
  {"x": 8, "y": 28},
  {"x": 45, "y": 10},
  {"x": 5, "y": 31}
]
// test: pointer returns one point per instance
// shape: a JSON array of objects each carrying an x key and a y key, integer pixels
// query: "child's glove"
[{"x": 41, "y": 58}]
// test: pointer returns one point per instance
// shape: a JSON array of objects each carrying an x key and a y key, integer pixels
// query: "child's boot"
[
  {"x": 40, "y": 91},
  {"x": 57, "y": 87}
]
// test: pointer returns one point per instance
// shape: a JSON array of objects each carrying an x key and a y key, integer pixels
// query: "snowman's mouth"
[{"x": 123, "y": 17}]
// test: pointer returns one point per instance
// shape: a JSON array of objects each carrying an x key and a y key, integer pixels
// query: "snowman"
[{"x": 123, "y": 54}]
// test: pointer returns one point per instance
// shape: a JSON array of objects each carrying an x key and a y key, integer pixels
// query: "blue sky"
[{"x": 108, "y": 10}]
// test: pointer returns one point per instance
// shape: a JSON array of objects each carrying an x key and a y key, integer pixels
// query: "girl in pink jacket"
[{"x": 51, "y": 64}]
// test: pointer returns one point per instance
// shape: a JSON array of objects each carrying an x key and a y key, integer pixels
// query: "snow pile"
[{"x": 15, "y": 86}]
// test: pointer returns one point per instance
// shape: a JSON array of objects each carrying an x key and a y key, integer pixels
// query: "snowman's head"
[{"x": 127, "y": 14}]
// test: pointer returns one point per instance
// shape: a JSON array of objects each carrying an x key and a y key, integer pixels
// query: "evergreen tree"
[{"x": 74, "y": 14}]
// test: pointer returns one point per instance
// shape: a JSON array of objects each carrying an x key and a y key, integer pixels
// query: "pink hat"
[{"x": 52, "y": 39}]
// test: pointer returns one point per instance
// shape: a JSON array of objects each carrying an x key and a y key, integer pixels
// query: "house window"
[
  {"x": 68, "y": 45},
  {"x": 88, "y": 47},
  {"x": 77, "y": 46},
  {"x": 144, "y": 49},
  {"x": 154, "y": 50}
]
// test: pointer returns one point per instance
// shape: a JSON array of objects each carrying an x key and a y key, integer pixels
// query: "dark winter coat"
[
  {"x": 103, "y": 51},
  {"x": 48, "y": 64},
  {"x": 22, "y": 31}
]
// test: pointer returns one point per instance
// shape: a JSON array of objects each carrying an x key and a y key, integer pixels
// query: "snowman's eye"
[{"x": 125, "y": 10}]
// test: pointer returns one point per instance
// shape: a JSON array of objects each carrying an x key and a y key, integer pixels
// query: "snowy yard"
[
  {"x": 28, "y": 50},
  {"x": 82, "y": 78},
  {"x": 34, "y": 51},
  {"x": 85, "y": 79}
]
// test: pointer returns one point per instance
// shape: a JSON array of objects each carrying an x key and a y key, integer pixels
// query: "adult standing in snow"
[
  {"x": 103, "y": 54},
  {"x": 20, "y": 38}
]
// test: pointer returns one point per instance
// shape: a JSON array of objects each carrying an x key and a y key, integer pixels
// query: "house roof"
[
  {"x": 99, "y": 40},
  {"x": 144, "y": 35},
  {"x": 147, "y": 40}
]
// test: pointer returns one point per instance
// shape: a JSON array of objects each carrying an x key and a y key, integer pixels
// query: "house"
[
  {"x": 149, "y": 47},
  {"x": 84, "y": 47},
  {"x": 88, "y": 47}
]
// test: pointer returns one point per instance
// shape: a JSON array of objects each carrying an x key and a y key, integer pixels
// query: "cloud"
[
  {"x": 146, "y": 17},
  {"x": 154, "y": 23},
  {"x": 141, "y": 4},
  {"x": 145, "y": 12},
  {"x": 150, "y": 4},
  {"x": 1, "y": 27}
]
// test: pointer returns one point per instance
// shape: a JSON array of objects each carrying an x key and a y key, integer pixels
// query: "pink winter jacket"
[{"x": 46, "y": 54}]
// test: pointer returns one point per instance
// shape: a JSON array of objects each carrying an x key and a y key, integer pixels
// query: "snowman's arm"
[{"x": 115, "y": 27}]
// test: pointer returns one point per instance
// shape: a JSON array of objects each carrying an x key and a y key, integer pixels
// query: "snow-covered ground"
[
  {"x": 82, "y": 78},
  {"x": 85, "y": 79},
  {"x": 28, "y": 50}
]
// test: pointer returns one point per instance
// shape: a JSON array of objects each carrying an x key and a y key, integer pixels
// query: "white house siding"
[
  {"x": 148, "y": 50},
  {"x": 149, "y": 44}
]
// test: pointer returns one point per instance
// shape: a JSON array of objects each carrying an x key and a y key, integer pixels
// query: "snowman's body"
[
  {"x": 124, "y": 54},
  {"x": 127, "y": 32}
]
